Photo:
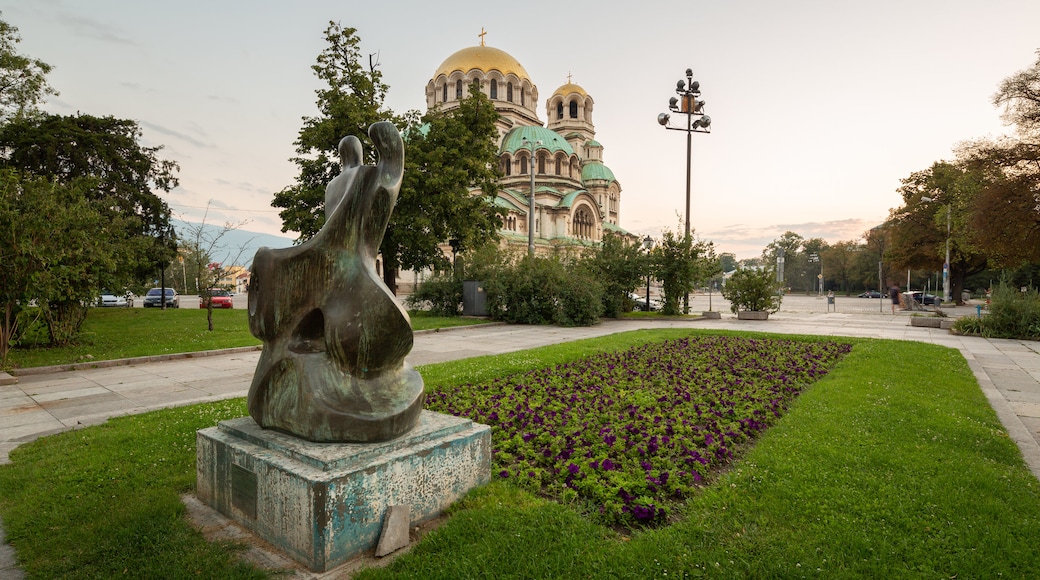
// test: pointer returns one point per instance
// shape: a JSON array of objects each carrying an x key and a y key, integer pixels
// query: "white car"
[{"x": 110, "y": 300}]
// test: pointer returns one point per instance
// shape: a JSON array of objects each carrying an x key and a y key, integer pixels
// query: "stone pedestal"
[
  {"x": 752, "y": 315},
  {"x": 324, "y": 503}
]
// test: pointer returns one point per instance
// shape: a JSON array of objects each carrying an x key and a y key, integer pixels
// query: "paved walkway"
[{"x": 1008, "y": 371}]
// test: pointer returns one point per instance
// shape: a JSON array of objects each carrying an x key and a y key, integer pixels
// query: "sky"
[{"x": 818, "y": 107}]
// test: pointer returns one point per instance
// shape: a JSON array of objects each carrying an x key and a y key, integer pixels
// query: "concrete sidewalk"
[{"x": 1008, "y": 371}]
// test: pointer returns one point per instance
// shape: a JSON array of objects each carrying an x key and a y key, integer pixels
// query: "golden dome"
[
  {"x": 570, "y": 88},
  {"x": 484, "y": 58}
]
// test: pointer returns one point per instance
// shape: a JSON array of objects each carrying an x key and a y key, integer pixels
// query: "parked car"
[
  {"x": 153, "y": 299},
  {"x": 926, "y": 299},
  {"x": 640, "y": 303},
  {"x": 220, "y": 297},
  {"x": 870, "y": 294},
  {"x": 113, "y": 300}
]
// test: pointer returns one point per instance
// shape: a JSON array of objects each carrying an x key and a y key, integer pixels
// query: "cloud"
[
  {"x": 177, "y": 135},
  {"x": 94, "y": 29}
]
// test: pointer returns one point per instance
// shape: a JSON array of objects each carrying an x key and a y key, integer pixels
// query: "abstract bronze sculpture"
[{"x": 335, "y": 338}]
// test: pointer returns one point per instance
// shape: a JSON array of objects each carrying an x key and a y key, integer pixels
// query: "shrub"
[
  {"x": 543, "y": 291},
  {"x": 441, "y": 295},
  {"x": 1012, "y": 314},
  {"x": 969, "y": 325},
  {"x": 754, "y": 290}
]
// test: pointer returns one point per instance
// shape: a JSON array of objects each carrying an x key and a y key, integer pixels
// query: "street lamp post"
[
  {"x": 696, "y": 122},
  {"x": 814, "y": 258},
  {"x": 648, "y": 244},
  {"x": 530, "y": 209},
  {"x": 946, "y": 264}
]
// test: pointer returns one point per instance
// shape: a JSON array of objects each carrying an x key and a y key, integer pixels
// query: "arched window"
[
  {"x": 458, "y": 89},
  {"x": 509, "y": 92},
  {"x": 559, "y": 110},
  {"x": 557, "y": 166},
  {"x": 581, "y": 227},
  {"x": 521, "y": 97},
  {"x": 523, "y": 165},
  {"x": 541, "y": 164},
  {"x": 574, "y": 110},
  {"x": 444, "y": 93},
  {"x": 494, "y": 89}
]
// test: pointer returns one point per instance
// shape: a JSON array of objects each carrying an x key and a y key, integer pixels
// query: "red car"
[{"x": 220, "y": 298}]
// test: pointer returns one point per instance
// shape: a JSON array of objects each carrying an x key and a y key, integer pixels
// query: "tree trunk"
[
  {"x": 209, "y": 314},
  {"x": 8, "y": 328},
  {"x": 390, "y": 278}
]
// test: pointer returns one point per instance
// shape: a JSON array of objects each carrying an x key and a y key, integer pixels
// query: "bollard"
[{"x": 978, "y": 310}]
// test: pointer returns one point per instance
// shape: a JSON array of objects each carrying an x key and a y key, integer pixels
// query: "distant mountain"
[{"x": 233, "y": 241}]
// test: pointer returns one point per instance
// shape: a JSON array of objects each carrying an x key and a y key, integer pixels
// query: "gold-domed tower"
[
  {"x": 569, "y": 110},
  {"x": 502, "y": 78}
]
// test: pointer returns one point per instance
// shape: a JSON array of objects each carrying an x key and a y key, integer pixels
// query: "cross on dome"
[{"x": 482, "y": 34}]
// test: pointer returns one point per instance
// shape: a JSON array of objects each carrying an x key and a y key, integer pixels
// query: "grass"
[
  {"x": 880, "y": 469},
  {"x": 114, "y": 333}
]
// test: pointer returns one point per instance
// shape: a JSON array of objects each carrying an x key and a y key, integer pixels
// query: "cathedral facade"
[{"x": 577, "y": 199}]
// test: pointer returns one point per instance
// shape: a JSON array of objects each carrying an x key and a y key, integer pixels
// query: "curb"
[{"x": 11, "y": 376}]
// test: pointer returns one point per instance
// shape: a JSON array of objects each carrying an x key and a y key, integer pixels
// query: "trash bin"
[
  {"x": 830, "y": 303},
  {"x": 474, "y": 298}
]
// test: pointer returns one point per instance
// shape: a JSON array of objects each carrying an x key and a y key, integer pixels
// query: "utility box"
[{"x": 474, "y": 298}]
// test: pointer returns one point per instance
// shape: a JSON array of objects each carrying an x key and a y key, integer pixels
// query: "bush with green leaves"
[
  {"x": 537, "y": 290},
  {"x": 440, "y": 295},
  {"x": 753, "y": 290},
  {"x": 1012, "y": 314}
]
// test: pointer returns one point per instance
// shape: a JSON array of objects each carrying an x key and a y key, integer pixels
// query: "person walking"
[{"x": 893, "y": 294}]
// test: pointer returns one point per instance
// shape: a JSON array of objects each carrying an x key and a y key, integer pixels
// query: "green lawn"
[
  {"x": 113, "y": 333},
  {"x": 881, "y": 469}
]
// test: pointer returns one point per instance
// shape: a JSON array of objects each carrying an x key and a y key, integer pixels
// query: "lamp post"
[
  {"x": 696, "y": 122},
  {"x": 946, "y": 264},
  {"x": 648, "y": 244},
  {"x": 530, "y": 209},
  {"x": 814, "y": 258}
]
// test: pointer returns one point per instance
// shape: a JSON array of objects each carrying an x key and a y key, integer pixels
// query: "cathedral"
[{"x": 577, "y": 199}]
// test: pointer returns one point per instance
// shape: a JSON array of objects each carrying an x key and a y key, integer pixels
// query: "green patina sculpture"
[{"x": 335, "y": 338}]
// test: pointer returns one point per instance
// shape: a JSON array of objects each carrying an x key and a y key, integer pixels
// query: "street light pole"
[
  {"x": 688, "y": 90},
  {"x": 648, "y": 243},
  {"x": 946, "y": 264},
  {"x": 530, "y": 208}
]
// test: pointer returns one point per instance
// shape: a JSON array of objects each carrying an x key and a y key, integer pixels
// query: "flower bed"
[{"x": 631, "y": 432}]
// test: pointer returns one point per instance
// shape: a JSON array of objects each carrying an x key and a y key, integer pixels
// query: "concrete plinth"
[{"x": 324, "y": 503}]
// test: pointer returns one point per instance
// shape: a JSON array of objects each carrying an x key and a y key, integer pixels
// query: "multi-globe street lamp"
[
  {"x": 696, "y": 122},
  {"x": 687, "y": 103}
]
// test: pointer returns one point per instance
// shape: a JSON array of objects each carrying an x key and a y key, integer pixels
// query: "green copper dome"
[
  {"x": 515, "y": 140},
  {"x": 596, "y": 171}
]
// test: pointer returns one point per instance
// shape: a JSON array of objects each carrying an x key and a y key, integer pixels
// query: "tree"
[
  {"x": 203, "y": 247},
  {"x": 23, "y": 80},
  {"x": 917, "y": 230},
  {"x": 621, "y": 267},
  {"x": 837, "y": 263},
  {"x": 57, "y": 247},
  {"x": 448, "y": 189},
  {"x": 126, "y": 173},
  {"x": 787, "y": 245},
  {"x": 679, "y": 262},
  {"x": 349, "y": 103}
]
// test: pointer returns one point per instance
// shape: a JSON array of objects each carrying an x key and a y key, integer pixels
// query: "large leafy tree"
[
  {"x": 56, "y": 249},
  {"x": 918, "y": 230},
  {"x": 789, "y": 246},
  {"x": 620, "y": 265},
  {"x": 350, "y": 101},
  {"x": 448, "y": 190},
  {"x": 126, "y": 173},
  {"x": 679, "y": 263},
  {"x": 448, "y": 155},
  {"x": 23, "y": 79}
]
